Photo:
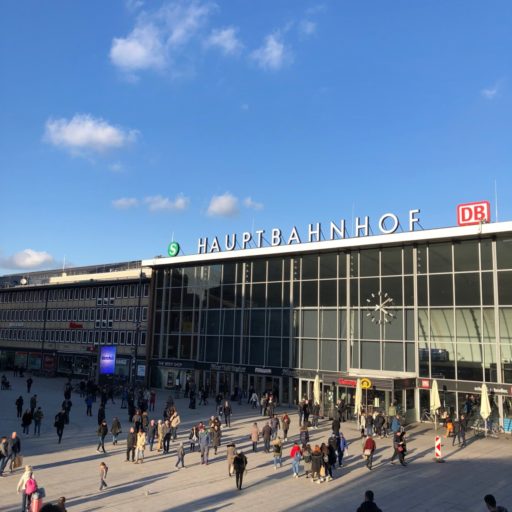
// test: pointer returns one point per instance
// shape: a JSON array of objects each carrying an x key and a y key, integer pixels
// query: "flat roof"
[{"x": 427, "y": 235}]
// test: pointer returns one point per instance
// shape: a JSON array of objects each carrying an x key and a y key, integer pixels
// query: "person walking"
[
  {"x": 216, "y": 435},
  {"x": 88, "y": 405},
  {"x": 33, "y": 404},
  {"x": 255, "y": 435},
  {"x": 66, "y": 407},
  {"x": 103, "y": 475},
  {"x": 101, "y": 414},
  {"x": 151, "y": 434},
  {"x": 131, "y": 443},
  {"x": 180, "y": 453},
  {"x": 460, "y": 431},
  {"x": 335, "y": 426},
  {"x": 167, "y": 434},
  {"x": 193, "y": 437},
  {"x": 342, "y": 449},
  {"x": 400, "y": 448},
  {"x": 38, "y": 418},
  {"x": 26, "y": 421},
  {"x": 306, "y": 457},
  {"x": 317, "y": 464},
  {"x": 275, "y": 424},
  {"x": 230, "y": 455},
  {"x": 295, "y": 455},
  {"x": 27, "y": 486},
  {"x": 227, "y": 411},
  {"x": 29, "y": 384},
  {"x": 13, "y": 452},
  {"x": 304, "y": 434},
  {"x": 277, "y": 450},
  {"x": 102, "y": 433},
  {"x": 175, "y": 421},
  {"x": 60, "y": 421},
  {"x": 160, "y": 430},
  {"x": 315, "y": 412},
  {"x": 19, "y": 406},
  {"x": 369, "y": 448},
  {"x": 240, "y": 466},
  {"x": 368, "y": 504},
  {"x": 141, "y": 446},
  {"x": 266, "y": 433},
  {"x": 115, "y": 429},
  {"x": 204, "y": 444},
  {"x": 285, "y": 422},
  {"x": 3, "y": 454}
]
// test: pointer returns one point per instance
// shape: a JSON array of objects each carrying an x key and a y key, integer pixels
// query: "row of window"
[
  {"x": 74, "y": 315},
  {"x": 119, "y": 291},
  {"x": 74, "y": 336}
]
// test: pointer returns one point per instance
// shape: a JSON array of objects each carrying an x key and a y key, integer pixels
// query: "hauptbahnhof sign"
[{"x": 387, "y": 224}]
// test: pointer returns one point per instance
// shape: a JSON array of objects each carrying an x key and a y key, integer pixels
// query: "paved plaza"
[{"x": 72, "y": 468}]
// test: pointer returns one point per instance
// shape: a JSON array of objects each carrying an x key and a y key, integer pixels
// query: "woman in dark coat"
[
  {"x": 115, "y": 429},
  {"x": 216, "y": 436},
  {"x": 316, "y": 463},
  {"x": 26, "y": 421}
]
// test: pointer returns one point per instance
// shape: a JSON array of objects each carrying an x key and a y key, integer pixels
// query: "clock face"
[{"x": 380, "y": 308}]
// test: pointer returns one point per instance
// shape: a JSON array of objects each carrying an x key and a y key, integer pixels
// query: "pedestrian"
[
  {"x": 61, "y": 504},
  {"x": 266, "y": 433},
  {"x": 38, "y": 418},
  {"x": 315, "y": 412},
  {"x": 317, "y": 464},
  {"x": 66, "y": 407},
  {"x": 277, "y": 450},
  {"x": 19, "y": 406},
  {"x": 29, "y": 384},
  {"x": 3, "y": 454},
  {"x": 328, "y": 456},
  {"x": 102, "y": 433},
  {"x": 27, "y": 486},
  {"x": 159, "y": 430},
  {"x": 254, "y": 400},
  {"x": 274, "y": 425},
  {"x": 216, "y": 435},
  {"x": 306, "y": 411},
  {"x": 227, "y": 411},
  {"x": 395, "y": 424},
  {"x": 141, "y": 446},
  {"x": 60, "y": 420},
  {"x": 180, "y": 453},
  {"x": 101, "y": 414},
  {"x": 400, "y": 448},
  {"x": 166, "y": 433},
  {"x": 115, "y": 429},
  {"x": 460, "y": 431},
  {"x": 342, "y": 449},
  {"x": 33, "y": 404},
  {"x": 175, "y": 420},
  {"x": 131, "y": 442},
  {"x": 306, "y": 457},
  {"x": 263, "y": 405},
  {"x": 230, "y": 455},
  {"x": 88, "y": 404},
  {"x": 304, "y": 434},
  {"x": 369, "y": 448},
  {"x": 204, "y": 444},
  {"x": 152, "y": 401},
  {"x": 240, "y": 466},
  {"x": 14, "y": 458},
  {"x": 285, "y": 422},
  {"x": 152, "y": 431},
  {"x": 255, "y": 434},
  {"x": 193, "y": 438},
  {"x": 490, "y": 502},
  {"x": 26, "y": 421},
  {"x": 295, "y": 455},
  {"x": 103, "y": 475},
  {"x": 368, "y": 504},
  {"x": 335, "y": 426}
]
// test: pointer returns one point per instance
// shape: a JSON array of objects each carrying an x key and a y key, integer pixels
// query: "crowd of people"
[{"x": 148, "y": 431}]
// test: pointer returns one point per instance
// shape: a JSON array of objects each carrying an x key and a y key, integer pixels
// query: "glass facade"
[{"x": 440, "y": 310}]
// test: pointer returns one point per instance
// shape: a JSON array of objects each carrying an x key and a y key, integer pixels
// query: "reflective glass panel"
[
  {"x": 466, "y": 255},
  {"x": 440, "y": 258}
]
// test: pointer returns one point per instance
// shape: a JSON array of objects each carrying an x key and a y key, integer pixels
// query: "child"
[
  {"x": 103, "y": 475},
  {"x": 180, "y": 452}
]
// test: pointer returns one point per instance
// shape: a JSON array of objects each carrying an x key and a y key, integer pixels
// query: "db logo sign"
[{"x": 473, "y": 213}]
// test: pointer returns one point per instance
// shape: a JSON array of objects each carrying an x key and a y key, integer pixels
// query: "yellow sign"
[{"x": 366, "y": 383}]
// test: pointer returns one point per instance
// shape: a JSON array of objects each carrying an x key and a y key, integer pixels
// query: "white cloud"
[
  {"x": 160, "y": 203},
  {"x": 307, "y": 28},
  {"x": 491, "y": 92},
  {"x": 273, "y": 54},
  {"x": 27, "y": 259},
  {"x": 159, "y": 36},
  {"x": 124, "y": 203},
  {"x": 86, "y": 133},
  {"x": 133, "y": 5},
  {"x": 249, "y": 203},
  {"x": 225, "y": 205},
  {"x": 225, "y": 39},
  {"x": 116, "y": 167}
]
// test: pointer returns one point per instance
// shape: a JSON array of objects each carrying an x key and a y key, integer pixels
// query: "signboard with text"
[
  {"x": 107, "y": 360},
  {"x": 473, "y": 213}
]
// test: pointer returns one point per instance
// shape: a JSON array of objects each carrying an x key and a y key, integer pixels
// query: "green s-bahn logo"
[{"x": 173, "y": 249}]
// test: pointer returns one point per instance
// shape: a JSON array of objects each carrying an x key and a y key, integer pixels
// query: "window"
[
  {"x": 123, "y": 314},
  {"x": 132, "y": 290},
  {"x": 117, "y": 314},
  {"x": 116, "y": 337},
  {"x": 144, "y": 313},
  {"x": 129, "y": 338},
  {"x": 130, "y": 315},
  {"x": 122, "y": 338}
]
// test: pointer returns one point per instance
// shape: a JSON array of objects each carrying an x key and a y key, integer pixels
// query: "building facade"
[
  {"x": 57, "y": 321},
  {"x": 401, "y": 309}
]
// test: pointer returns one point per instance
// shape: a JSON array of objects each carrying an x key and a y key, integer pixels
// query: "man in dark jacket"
[
  {"x": 368, "y": 504},
  {"x": 266, "y": 433},
  {"x": 19, "y": 407},
  {"x": 131, "y": 442},
  {"x": 3, "y": 454},
  {"x": 102, "y": 433},
  {"x": 101, "y": 414},
  {"x": 239, "y": 465},
  {"x": 13, "y": 449},
  {"x": 60, "y": 421},
  {"x": 336, "y": 425}
]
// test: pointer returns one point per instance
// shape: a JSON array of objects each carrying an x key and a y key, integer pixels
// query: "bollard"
[{"x": 437, "y": 450}]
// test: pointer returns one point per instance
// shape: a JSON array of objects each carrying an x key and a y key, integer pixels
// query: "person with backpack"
[
  {"x": 27, "y": 486},
  {"x": 277, "y": 450},
  {"x": 239, "y": 465},
  {"x": 296, "y": 455},
  {"x": 103, "y": 475}
]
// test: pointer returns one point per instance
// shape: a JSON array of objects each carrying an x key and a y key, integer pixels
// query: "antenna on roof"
[{"x": 496, "y": 199}]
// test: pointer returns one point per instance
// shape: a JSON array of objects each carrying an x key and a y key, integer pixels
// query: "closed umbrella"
[
  {"x": 435, "y": 401},
  {"x": 485, "y": 405},
  {"x": 358, "y": 405},
  {"x": 316, "y": 389}
]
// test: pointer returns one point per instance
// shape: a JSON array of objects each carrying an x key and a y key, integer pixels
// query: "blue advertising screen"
[{"x": 107, "y": 360}]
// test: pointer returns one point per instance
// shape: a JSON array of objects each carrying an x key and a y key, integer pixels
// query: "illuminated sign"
[{"x": 107, "y": 360}]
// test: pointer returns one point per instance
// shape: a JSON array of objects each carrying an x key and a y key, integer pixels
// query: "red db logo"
[{"x": 473, "y": 213}]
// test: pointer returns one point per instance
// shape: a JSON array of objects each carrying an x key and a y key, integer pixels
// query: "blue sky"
[{"x": 125, "y": 122}]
